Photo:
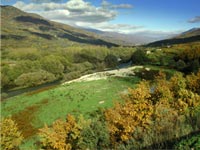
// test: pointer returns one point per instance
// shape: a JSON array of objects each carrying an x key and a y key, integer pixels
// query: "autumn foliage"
[
  {"x": 63, "y": 135},
  {"x": 124, "y": 118},
  {"x": 156, "y": 112},
  {"x": 11, "y": 137},
  {"x": 152, "y": 113}
]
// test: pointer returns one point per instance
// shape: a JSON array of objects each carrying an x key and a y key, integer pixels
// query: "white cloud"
[
  {"x": 45, "y": 1},
  {"x": 78, "y": 5},
  {"x": 106, "y": 4},
  {"x": 122, "y": 6},
  {"x": 36, "y": 7},
  {"x": 158, "y": 33},
  {"x": 73, "y": 10},
  {"x": 194, "y": 20},
  {"x": 79, "y": 13},
  {"x": 105, "y": 26}
]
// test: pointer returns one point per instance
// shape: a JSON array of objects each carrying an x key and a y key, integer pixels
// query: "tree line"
[{"x": 28, "y": 68}]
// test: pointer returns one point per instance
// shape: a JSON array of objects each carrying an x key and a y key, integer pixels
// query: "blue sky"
[{"x": 124, "y": 16}]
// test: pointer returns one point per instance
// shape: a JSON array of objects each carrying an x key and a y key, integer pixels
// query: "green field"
[{"x": 32, "y": 110}]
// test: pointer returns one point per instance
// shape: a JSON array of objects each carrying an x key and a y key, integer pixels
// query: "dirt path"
[{"x": 124, "y": 72}]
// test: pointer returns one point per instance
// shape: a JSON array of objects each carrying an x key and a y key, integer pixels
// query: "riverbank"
[
  {"x": 124, "y": 72},
  {"x": 121, "y": 72}
]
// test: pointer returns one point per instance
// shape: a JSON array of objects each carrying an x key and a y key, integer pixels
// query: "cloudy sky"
[{"x": 124, "y": 16}]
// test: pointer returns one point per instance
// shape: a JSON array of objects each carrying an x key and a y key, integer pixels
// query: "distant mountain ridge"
[
  {"x": 189, "y": 33},
  {"x": 130, "y": 39},
  {"x": 37, "y": 31},
  {"x": 188, "y": 36},
  {"x": 32, "y": 28}
]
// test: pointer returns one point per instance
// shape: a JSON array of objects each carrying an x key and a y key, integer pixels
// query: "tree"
[
  {"x": 139, "y": 57},
  {"x": 8, "y": 75},
  {"x": 11, "y": 137},
  {"x": 180, "y": 65},
  {"x": 193, "y": 82},
  {"x": 124, "y": 119},
  {"x": 94, "y": 134},
  {"x": 194, "y": 66},
  {"x": 34, "y": 78},
  {"x": 111, "y": 60},
  {"x": 52, "y": 65},
  {"x": 62, "y": 135}
]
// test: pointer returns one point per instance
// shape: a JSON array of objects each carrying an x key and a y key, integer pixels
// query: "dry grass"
[{"x": 25, "y": 117}]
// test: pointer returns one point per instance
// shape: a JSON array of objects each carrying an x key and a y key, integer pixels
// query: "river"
[{"x": 46, "y": 86}]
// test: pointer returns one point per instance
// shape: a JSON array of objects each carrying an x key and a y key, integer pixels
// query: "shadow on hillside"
[
  {"x": 32, "y": 20},
  {"x": 87, "y": 40},
  {"x": 11, "y": 36},
  {"x": 175, "y": 41},
  {"x": 42, "y": 35}
]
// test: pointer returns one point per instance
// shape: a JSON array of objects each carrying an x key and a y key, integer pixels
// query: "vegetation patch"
[
  {"x": 192, "y": 142},
  {"x": 32, "y": 110},
  {"x": 24, "y": 119},
  {"x": 32, "y": 20},
  {"x": 41, "y": 90}
]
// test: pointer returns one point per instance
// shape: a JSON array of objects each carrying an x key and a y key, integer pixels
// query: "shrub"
[
  {"x": 193, "y": 82},
  {"x": 139, "y": 57},
  {"x": 189, "y": 143},
  {"x": 95, "y": 136},
  {"x": 123, "y": 119},
  {"x": 180, "y": 65},
  {"x": 111, "y": 60},
  {"x": 11, "y": 137},
  {"x": 147, "y": 116},
  {"x": 62, "y": 135}
]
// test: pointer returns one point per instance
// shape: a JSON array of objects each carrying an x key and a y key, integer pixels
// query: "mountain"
[
  {"x": 192, "y": 35},
  {"x": 131, "y": 39},
  {"x": 21, "y": 29},
  {"x": 189, "y": 33}
]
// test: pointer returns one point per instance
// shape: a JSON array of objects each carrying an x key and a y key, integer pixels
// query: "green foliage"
[
  {"x": 11, "y": 137},
  {"x": 111, "y": 61},
  {"x": 139, "y": 57},
  {"x": 24, "y": 54},
  {"x": 177, "y": 82},
  {"x": 195, "y": 65},
  {"x": 5, "y": 81},
  {"x": 145, "y": 117},
  {"x": 34, "y": 78},
  {"x": 47, "y": 105},
  {"x": 189, "y": 143},
  {"x": 193, "y": 82},
  {"x": 95, "y": 136},
  {"x": 64, "y": 62},
  {"x": 180, "y": 65},
  {"x": 191, "y": 56},
  {"x": 52, "y": 65},
  {"x": 12, "y": 71}
]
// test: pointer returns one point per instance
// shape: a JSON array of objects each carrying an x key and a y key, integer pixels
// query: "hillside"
[
  {"x": 189, "y": 33},
  {"x": 189, "y": 36},
  {"x": 37, "y": 51},
  {"x": 96, "y": 83},
  {"x": 36, "y": 31}
]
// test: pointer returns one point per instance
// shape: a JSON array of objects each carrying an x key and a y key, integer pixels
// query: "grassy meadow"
[{"x": 34, "y": 109}]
